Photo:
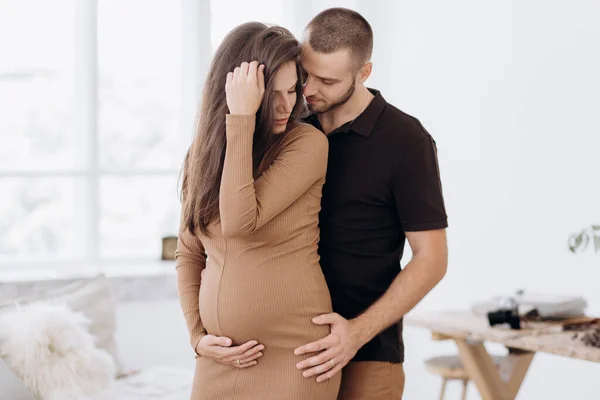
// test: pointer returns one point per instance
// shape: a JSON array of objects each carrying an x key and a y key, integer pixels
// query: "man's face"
[{"x": 329, "y": 80}]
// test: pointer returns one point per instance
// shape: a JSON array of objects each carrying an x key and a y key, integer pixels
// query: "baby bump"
[{"x": 272, "y": 305}]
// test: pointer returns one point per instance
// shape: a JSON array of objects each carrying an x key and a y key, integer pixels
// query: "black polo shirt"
[{"x": 382, "y": 181}]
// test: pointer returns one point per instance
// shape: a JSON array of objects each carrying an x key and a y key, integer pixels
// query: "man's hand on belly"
[
  {"x": 335, "y": 350},
  {"x": 218, "y": 348}
]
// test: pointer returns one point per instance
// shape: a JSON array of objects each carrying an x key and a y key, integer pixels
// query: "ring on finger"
[{"x": 238, "y": 362}]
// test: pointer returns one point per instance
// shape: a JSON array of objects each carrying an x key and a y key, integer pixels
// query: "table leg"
[
  {"x": 518, "y": 369},
  {"x": 485, "y": 374}
]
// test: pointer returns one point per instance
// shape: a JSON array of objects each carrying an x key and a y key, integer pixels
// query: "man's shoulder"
[
  {"x": 397, "y": 124},
  {"x": 401, "y": 125}
]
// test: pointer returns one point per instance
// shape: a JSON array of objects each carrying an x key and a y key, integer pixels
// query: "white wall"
[{"x": 510, "y": 91}]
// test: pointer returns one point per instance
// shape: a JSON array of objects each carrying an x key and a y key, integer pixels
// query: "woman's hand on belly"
[{"x": 219, "y": 349}]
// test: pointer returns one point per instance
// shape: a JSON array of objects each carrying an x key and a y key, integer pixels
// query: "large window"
[{"x": 91, "y": 133}]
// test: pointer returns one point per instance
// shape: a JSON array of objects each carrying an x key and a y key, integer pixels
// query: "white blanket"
[{"x": 159, "y": 383}]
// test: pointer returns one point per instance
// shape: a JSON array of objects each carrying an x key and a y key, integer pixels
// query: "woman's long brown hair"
[{"x": 272, "y": 46}]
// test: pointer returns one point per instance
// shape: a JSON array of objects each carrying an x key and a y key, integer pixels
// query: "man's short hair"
[{"x": 340, "y": 28}]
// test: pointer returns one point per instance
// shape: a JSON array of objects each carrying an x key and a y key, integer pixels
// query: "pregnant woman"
[{"x": 248, "y": 270}]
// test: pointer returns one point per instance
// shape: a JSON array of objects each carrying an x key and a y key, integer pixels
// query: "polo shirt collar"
[{"x": 365, "y": 122}]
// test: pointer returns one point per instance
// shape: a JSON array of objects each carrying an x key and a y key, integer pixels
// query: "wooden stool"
[{"x": 451, "y": 368}]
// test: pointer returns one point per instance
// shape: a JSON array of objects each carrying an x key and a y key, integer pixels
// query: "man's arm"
[{"x": 425, "y": 269}]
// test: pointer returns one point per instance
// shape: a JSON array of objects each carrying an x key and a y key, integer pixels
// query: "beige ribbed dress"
[{"x": 262, "y": 280}]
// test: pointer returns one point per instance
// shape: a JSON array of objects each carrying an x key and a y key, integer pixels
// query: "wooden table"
[{"x": 470, "y": 331}]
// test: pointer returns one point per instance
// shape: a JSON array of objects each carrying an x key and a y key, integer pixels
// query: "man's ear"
[{"x": 365, "y": 72}]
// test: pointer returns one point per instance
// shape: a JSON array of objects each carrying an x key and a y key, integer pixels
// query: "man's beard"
[{"x": 328, "y": 107}]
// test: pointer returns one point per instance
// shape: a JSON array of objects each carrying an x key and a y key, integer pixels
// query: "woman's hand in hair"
[{"x": 245, "y": 87}]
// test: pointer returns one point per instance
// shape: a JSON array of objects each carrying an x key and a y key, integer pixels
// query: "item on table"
[
  {"x": 592, "y": 338},
  {"x": 547, "y": 306},
  {"x": 587, "y": 332},
  {"x": 508, "y": 313}
]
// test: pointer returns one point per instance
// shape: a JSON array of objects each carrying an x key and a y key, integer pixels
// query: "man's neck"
[{"x": 348, "y": 111}]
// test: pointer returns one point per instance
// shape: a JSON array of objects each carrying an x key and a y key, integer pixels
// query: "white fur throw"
[{"x": 50, "y": 349}]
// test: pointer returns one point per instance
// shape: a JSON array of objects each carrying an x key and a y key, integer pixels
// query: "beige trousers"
[{"x": 372, "y": 380}]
